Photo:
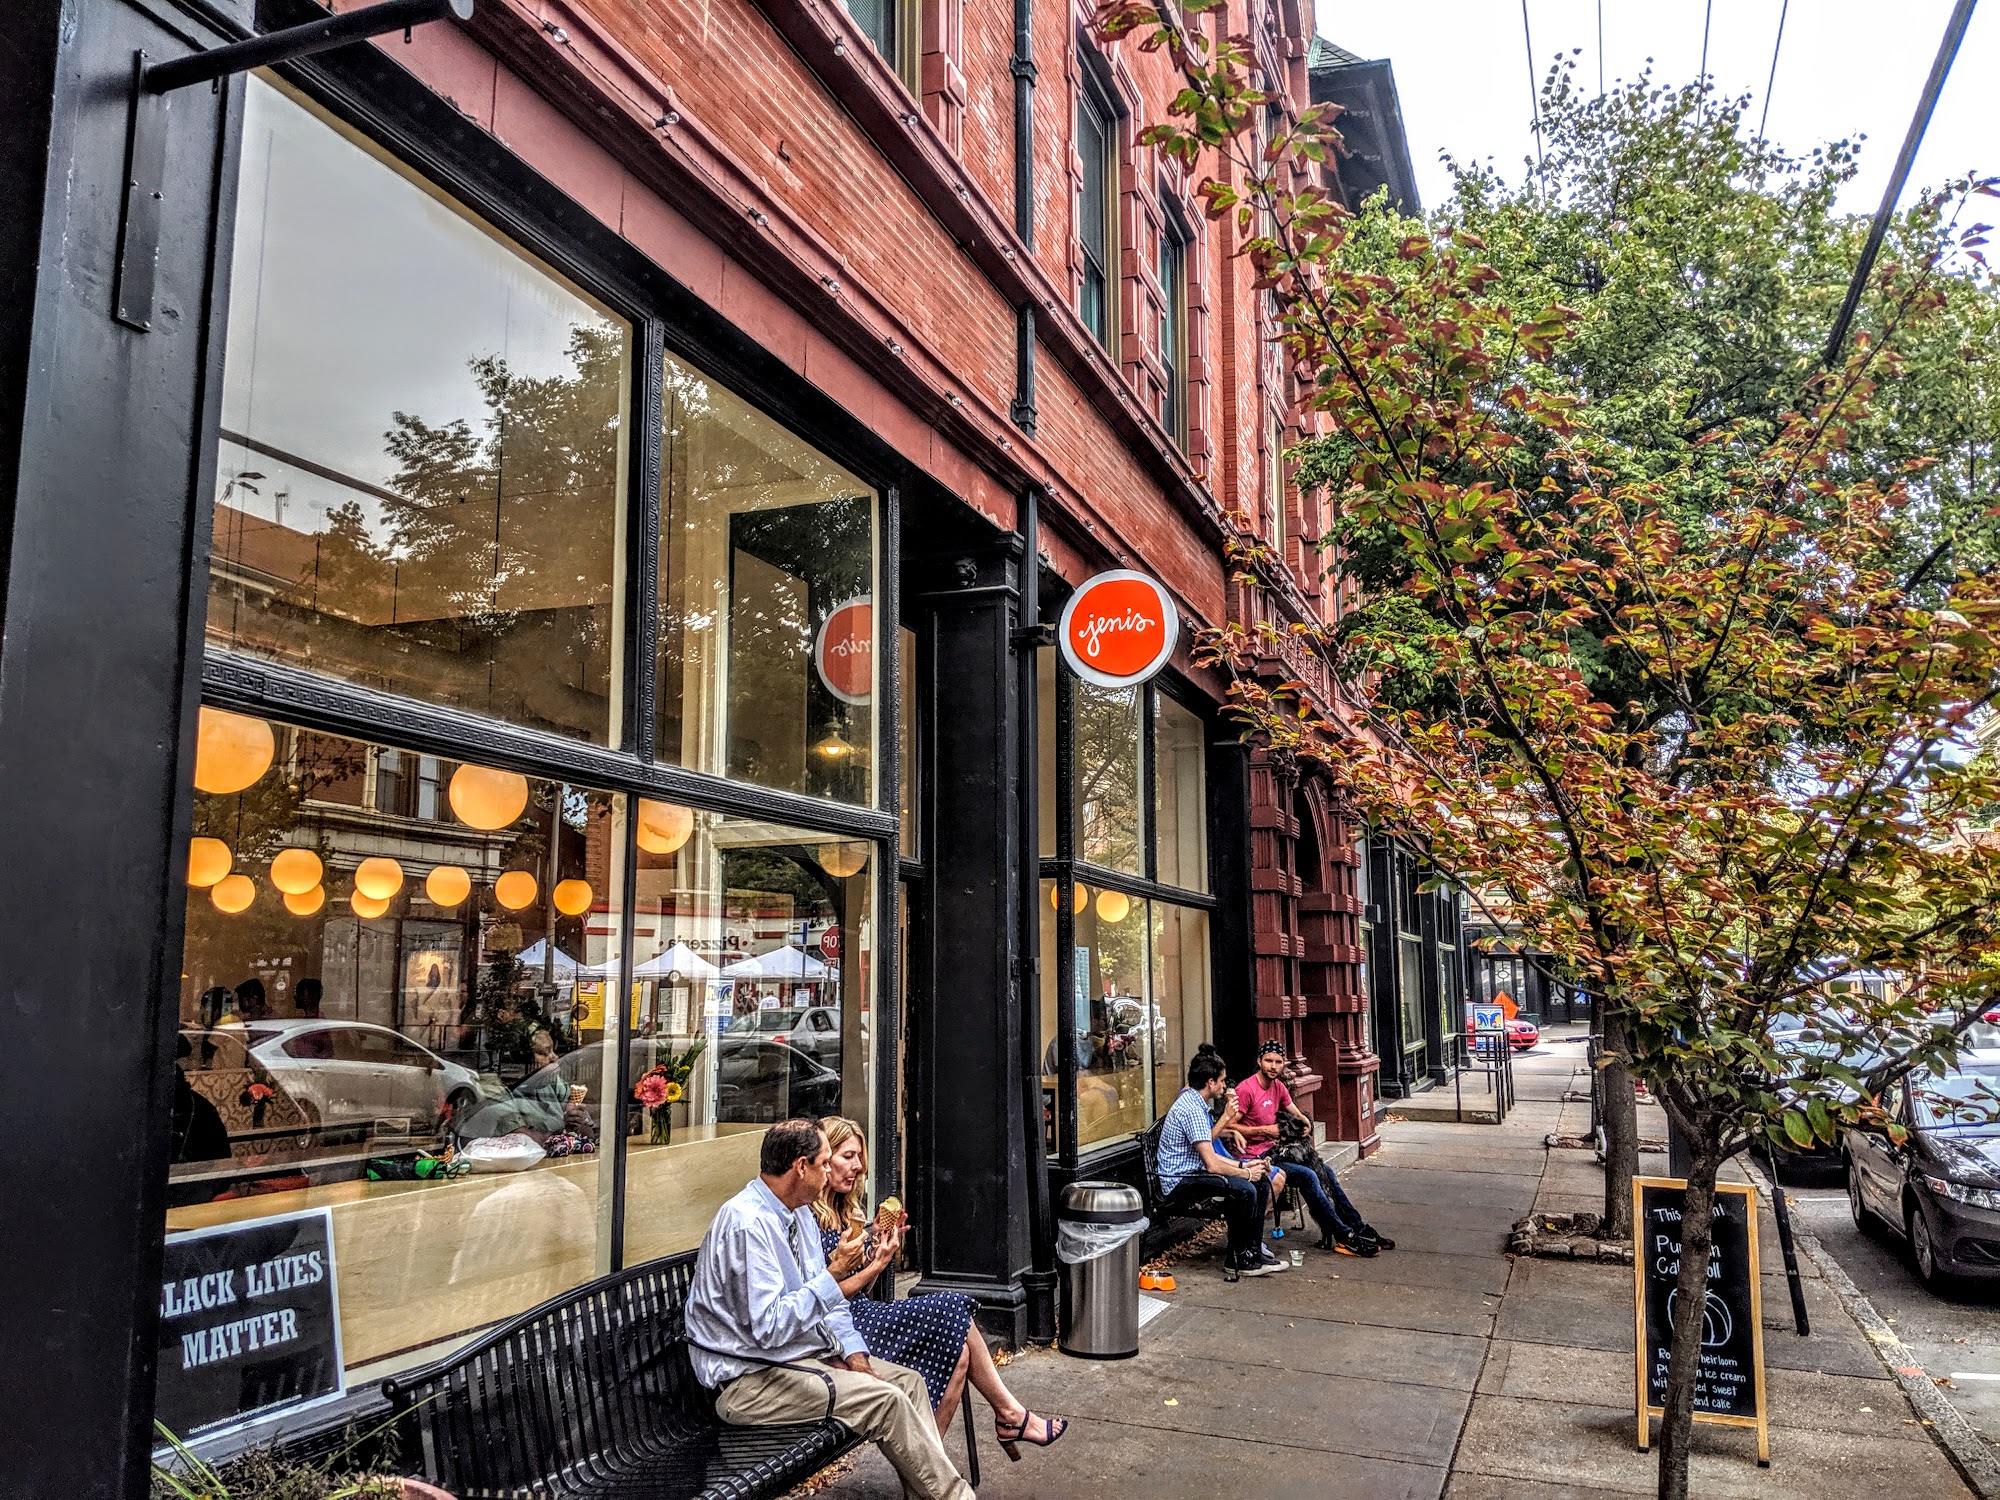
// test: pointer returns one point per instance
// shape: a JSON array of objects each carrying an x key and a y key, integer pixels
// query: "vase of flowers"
[{"x": 661, "y": 1087}]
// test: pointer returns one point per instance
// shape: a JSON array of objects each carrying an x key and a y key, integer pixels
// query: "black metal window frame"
[
  {"x": 1175, "y": 238},
  {"x": 423, "y": 131},
  {"x": 1066, "y": 870},
  {"x": 1097, "y": 301}
]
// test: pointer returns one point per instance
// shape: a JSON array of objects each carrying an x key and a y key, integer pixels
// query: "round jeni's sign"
[
  {"x": 844, "y": 651},
  {"x": 1118, "y": 629}
]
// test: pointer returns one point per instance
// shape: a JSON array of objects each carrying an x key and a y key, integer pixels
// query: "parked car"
[
  {"x": 356, "y": 1073},
  {"x": 220, "y": 1068},
  {"x": 814, "y": 1029},
  {"x": 1940, "y": 1186},
  {"x": 1521, "y": 1034}
]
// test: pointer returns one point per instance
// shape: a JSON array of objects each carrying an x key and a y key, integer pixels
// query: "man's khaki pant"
[{"x": 894, "y": 1411}]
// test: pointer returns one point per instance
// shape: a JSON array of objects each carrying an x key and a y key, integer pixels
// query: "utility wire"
[
  {"x": 1771, "y": 82},
  {"x": 1954, "y": 33},
  {"x": 1707, "y": 16},
  {"x": 1535, "y": 99},
  {"x": 1600, "y": 47}
]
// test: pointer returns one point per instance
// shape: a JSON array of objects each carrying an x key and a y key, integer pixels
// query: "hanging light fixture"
[
  {"x": 208, "y": 861},
  {"x": 379, "y": 878},
  {"x": 663, "y": 826},
  {"x": 230, "y": 751},
  {"x": 447, "y": 885},
  {"x": 233, "y": 893},
  {"x": 1113, "y": 906},
  {"x": 833, "y": 747},
  {"x": 366, "y": 905},
  {"x": 305, "y": 903},
  {"x": 515, "y": 890},
  {"x": 487, "y": 799},
  {"x": 1079, "y": 897},
  {"x": 572, "y": 897},
  {"x": 842, "y": 860},
  {"x": 296, "y": 871}
]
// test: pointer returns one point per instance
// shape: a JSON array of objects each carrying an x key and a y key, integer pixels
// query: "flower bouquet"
[{"x": 661, "y": 1086}]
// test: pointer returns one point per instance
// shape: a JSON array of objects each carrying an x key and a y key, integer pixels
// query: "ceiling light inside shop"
[
  {"x": 572, "y": 897},
  {"x": 305, "y": 903},
  {"x": 296, "y": 871},
  {"x": 843, "y": 860},
  {"x": 233, "y": 893},
  {"x": 366, "y": 905},
  {"x": 1113, "y": 906},
  {"x": 379, "y": 877},
  {"x": 208, "y": 861},
  {"x": 515, "y": 890},
  {"x": 487, "y": 799},
  {"x": 1079, "y": 897},
  {"x": 231, "y": 751},
  {"x": 833, "y": 747},
  {"x": 448, "y": 885},
  {"x": 663, "y": 826}
]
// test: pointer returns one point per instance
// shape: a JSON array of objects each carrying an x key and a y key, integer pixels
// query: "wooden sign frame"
[{"x": 1647, "y": 1412}]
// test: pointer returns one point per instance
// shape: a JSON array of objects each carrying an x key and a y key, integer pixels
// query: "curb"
[{"x": 1977, "y": 1460}]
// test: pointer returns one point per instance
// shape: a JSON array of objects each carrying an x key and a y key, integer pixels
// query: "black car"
[{"x": 1940, "y": 1188}]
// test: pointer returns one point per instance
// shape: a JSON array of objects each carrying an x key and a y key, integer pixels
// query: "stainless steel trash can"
[{"x": 1098, "y": 1306}]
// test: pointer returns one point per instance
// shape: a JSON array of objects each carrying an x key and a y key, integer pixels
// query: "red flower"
[{"x": 651, "y": 1090}]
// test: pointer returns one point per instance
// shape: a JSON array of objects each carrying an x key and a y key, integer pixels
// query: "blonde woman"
[{"x": 933, "y": 1335}]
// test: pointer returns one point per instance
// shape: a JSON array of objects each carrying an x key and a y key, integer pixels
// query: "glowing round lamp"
[
  {"x": 842, "y": 860},
  {"x": 1079, "y": 897},
  {"x": 233, "y": 893},
  {"x": 1113, "y": 906},
  {"x": 366, "y": 905},
  {"x": 296, "y": 871},
  {"x": 305, "y": 903},
  {"x": 487, "y": 799},
  {"x": 447, "y": 885},
  {"x": 231, "y": 751},
  {"x": 663, "y": 826},
  {"x": 572, "y": 897},
  {"x": 378, "y": 878},
  {"x": 515, "y": 890},
  {"x": 208, "y": 861}
]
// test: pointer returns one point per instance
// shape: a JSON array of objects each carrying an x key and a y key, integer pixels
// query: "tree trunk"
[
  {"x": 1621, "y": 1126},
  {"x": 1690, "y": 1302}
]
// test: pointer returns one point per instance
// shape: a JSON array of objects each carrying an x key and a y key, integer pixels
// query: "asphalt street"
[{"x": 1956, "y": 1336}]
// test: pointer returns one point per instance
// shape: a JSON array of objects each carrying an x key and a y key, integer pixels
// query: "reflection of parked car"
[
  {"x": 1521, "y": 1035},
  {"x": 758, "y": 1081},
  {"x": 351, "y": 1072},
  {"x": 221, "y": 1069},
  {"x": 1940, "y": 1188},
  {"x": 813, "y": 1028}
]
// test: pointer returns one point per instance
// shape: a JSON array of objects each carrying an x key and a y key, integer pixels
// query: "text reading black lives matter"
[
  {"x": 248, "y": 1322},
  {"x": 1726, "y": 1383}
]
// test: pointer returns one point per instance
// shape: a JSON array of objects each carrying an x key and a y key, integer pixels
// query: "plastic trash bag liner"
[
  {"x": 1076, "y": 1243},
  {"x": 502, "y": 1153}
]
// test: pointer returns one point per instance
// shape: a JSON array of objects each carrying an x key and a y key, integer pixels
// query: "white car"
[
  {"x": 356, "y": 1073},
  {"x": 813, "y": 1029}
]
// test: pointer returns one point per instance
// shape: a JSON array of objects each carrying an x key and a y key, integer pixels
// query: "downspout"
[
  {"x": 1022, "y": 66},
  {"x": 1039, "y": 1281}
]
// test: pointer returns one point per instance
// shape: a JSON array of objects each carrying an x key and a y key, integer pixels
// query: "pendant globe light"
[
  {"x": 448, "y": 885},
  {"x": 572, "y": 897},
  {"x": 230, "y": 751},
  {"x": 208, "y": 861},
  {"x": 296, "y": 871},
  {"x": 366, "y": 905},
  {"x": 233, "y": 893},
  {"x": 515, "y": 890},
  {"x": 305, "y": 903},
  {"x": 379, "y": 878},
  {"x": 842, "y": 860},
  {"x": 487, "y": 799},
  {"x": 663, "y": 826},
  {"x": 1079, "y": 897},
  {"x": 1113, "y": 906}
]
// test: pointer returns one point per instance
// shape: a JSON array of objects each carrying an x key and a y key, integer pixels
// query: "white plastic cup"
[{"x": 1298, "y": 1257}]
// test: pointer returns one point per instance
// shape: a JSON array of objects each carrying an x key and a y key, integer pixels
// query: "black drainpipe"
[
  {"x": 1022, "y": 66},
  {"x": 1039, "y": 1281}
]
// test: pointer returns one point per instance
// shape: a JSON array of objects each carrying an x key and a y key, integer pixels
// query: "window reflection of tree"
[{"x": 1108, "y": 777}]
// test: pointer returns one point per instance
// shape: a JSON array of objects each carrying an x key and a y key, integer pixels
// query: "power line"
[
  {"x": 1707, "y": 16},
  {"x": 1954, "y": 33},
  {"x": 1535, "y": 99},
  {"x": 1600, "y": 47},
  {"x": 1771, "y": 82}
]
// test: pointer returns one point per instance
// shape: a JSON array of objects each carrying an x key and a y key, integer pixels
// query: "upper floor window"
[
  {"x": 1097, "y": 217},
  {"x": 1173, "y": 324},
  {"x": 1274, "y": 483},
  {"x": 894, "y": 27}
]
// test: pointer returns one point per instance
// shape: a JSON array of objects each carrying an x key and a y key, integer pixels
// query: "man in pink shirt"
[{"x": 1258, "y": 1101}]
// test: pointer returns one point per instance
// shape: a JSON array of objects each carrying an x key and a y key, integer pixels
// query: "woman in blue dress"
[{"x": 933, "y": 1335}]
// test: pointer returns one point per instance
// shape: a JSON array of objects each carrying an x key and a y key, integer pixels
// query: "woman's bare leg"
[{"x": 954, "y": 1392}]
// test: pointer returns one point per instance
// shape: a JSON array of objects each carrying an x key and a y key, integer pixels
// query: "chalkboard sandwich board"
[{"x": 1729, "y": 1386}]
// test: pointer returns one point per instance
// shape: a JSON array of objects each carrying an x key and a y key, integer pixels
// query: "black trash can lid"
[{"x": 1100, "y": 1203}]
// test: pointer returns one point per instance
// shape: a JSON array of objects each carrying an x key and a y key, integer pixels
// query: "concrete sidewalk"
[{"x": 1442, "y": 1367}]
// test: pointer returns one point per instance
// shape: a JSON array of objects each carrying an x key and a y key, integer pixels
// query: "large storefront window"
[
  {"x": 1180, "y": 797},
  {"x": 422, "y": 462},
  {"x": 767, "y": 580},
  {"x": 1110, "y": 810}
]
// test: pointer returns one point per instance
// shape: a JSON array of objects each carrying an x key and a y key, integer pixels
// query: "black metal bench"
[
  {"x": 592, "y": 1394},
  {"x": 1210, "y": 1207}
]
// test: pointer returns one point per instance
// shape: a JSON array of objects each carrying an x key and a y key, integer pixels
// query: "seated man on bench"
[
  {"x": 1192, "y": 1169},
  {"x": 1260, "y": 1100},
  {"x": 770, "y": 1331}
]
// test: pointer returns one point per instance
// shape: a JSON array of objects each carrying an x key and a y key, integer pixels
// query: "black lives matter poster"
[
  {"x": 249, "y": 1322},
  {"x": 1731, "y": 1347}
]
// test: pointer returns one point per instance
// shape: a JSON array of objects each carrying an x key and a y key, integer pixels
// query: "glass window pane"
[
  {"x": 767, "y": 582},
  {"x": 1180, "y": 1009},
  {"x": 753, "y": 942},
  {"x": 333, "y": 1041},
  {"x": 1411, "y": 975},
  {"x": 910, "y": 762},
  {"x": 1046, "y": 788},
  {"x": 1110, "y": 821},
  {"x": 422, "y": 457},
  {"x": 1113, "y": 1020},
  {"x": 1180, "y": 796},
  {"x": 1051, "y": 1020},
  {"x": 877, "y": 20}
]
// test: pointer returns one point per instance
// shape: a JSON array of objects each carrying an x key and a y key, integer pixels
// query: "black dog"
[{"x": 1294, "y": 1152}]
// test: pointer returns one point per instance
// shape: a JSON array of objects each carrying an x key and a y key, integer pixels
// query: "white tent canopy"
[
  {"x": 532, "y": 958},
  {"x": 679, "y": 959},
  {"x": 779, "y": 963}
]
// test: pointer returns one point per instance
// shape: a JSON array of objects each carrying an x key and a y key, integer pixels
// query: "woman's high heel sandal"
[{"x": 1008, "y": 1434}]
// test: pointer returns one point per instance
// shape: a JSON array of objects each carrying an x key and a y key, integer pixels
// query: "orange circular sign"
[
  {"x": 844, "y": 651},
  {"x": 1118, "y": 629}
]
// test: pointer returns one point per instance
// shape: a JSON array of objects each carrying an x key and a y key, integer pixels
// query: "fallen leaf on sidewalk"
[
  {"x": 1171, "y": 1401},
  {"x": 1869, "y": 1409}
]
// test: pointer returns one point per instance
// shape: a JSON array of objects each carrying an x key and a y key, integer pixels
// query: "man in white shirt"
[{"x": 770, "y": 1330}]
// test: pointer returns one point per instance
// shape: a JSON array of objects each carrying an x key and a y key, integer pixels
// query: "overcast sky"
[{"x": 1846, "y": 68}]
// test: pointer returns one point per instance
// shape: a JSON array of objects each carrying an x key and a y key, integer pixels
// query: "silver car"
[{"x": 345, "y": 1073}]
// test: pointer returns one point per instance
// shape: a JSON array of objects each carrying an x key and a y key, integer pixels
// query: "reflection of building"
[{"x": 520, "y": 401}]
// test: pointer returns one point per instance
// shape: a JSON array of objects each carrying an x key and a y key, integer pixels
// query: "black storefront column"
[
  {"x": 104, "y": 519},
  {"x": 969, "y": 1162}
]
